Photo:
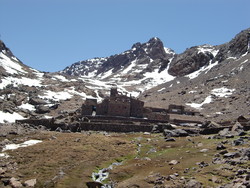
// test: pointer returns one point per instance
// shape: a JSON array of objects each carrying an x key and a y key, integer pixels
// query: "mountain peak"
[{"x": 4, "y": 49}]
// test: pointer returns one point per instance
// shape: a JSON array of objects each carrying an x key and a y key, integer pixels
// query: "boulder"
[
  {"x": 41, "y": 109},
  {"x": 170, "y": 140},
  {"x": 210, "y": 124},
  {"x": 174, "y": 133},
  {"x": 168, "y": 133},
  {"x": 180, "y": 132},
  {"x": 193, "y": 184},
  {"x": 237, "y": 126},
  {"x": 155, "y": 129},
  {"x": 36, "y": 101},
  {"x": 232, "y": 155},
  {"x": 15, "y": 183},
  {"x": 30, "y": 183},
  {"x": 238, "y": 142},
  {"x": 220, "y": 147},
  {"x": 173, "y": 162},
  {"x": 224, "y": 132}
]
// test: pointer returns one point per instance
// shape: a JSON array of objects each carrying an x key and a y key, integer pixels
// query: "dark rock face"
[
  {"x": 154, "y": 56},
  {"x": 40, "y": 109},
  {"x": 189, "y": 61},
  {"x": 4, "y": 49},
  {"x": 151, "y": 54},
  {"x": 235, "y": 48}
]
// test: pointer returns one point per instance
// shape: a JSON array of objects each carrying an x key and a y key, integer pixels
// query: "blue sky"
[{"x": 50, "y": 35}]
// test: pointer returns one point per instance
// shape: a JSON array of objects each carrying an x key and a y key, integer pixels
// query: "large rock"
[
  {"x": 15, "y": 183},
  {"x": 169, "y": 133},
  {"x": 224, "y": 132},
  {"x": 41, "y": 109},
  {"x": 191, "y": 60},
  {"x": 37, "y": 101},
  {"x": 175, "y": 133},
  {"x": 30, "y": 183},
  {"x": 193, "y": 184},
  {"x": 180, "y": 132}
]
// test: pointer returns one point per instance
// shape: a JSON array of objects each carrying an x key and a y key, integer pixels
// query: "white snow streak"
[
  {"x": 207, "y": 48},
  {"x": 24, "y": 144},
  {"x": 222, "y": 92},
  {"x": 18, "y": 81},
  {"x": 8, "y": 117},
  {"x": 199, "y": 105},
  {"x": 56, "y": 96},
  {"x": 9, "y": 65},
  {"x": 27, "y": 106},
  {"x": 60, "y": 77},
  {"x": 219, "y": 92},
  {"x": 201, "y": 70}
]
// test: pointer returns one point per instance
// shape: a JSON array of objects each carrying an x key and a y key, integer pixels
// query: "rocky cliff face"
[
  {"x": 142, "y": 57},
  {"x": 148, "y": 57},
  {"x": 4, "y": 49},
  {"x": 192, "y": 60},
  {"x": 211, "y": 80},
  {"x": 196, "y": 57}
]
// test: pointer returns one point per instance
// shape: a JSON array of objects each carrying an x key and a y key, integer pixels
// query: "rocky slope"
[
  {"x": 212, "y": 80},
  {"x": 142, "y": 67},
  {"x": 25, "y": 92}
]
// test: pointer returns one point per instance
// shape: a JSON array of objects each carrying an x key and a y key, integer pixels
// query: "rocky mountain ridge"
[
  {"x": 149, "y": 64},
  {"x": 219, "y": 90}
]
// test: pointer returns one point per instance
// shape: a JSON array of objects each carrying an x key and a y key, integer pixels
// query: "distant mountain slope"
[
  {"x": 199, "y": 76},
  {"x": 142, "y": 67},
  {"x": 219, "y": 89},
  {"x": 25, "y": 92}
]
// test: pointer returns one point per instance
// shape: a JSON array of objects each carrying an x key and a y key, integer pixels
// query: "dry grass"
[{"x": 68, "y": 159}]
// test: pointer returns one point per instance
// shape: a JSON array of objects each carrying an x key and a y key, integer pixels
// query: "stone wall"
[
  {"x": 119, "y": 106},
  {"x": 176, "y": 109},
  {"x": 115, "y": 127},
  {"x": 136, "y": 108},
  {"x": 87, "y": 107}
]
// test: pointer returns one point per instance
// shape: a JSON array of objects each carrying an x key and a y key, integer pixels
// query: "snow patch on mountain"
[
  {"x": 8, "y": 117},
  {"x": 203, "y": 69},
  {"x": 10, "y": 65},
  {"x": 27, "y": 106},
  {"x": 207, "y": 49},
  {"x": 19, "y": 81},
  {"x": 55, "y": 96},
  {"x": 207, "y": 100},
  {"x": 60, "y": 77},
  {"x": 218, "y": 92},
  {"x": 222, "y": 92}
]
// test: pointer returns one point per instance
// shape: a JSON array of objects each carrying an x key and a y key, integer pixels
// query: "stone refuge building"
[
  {"x": 121, "y": 105},
  {"x": 115, "y": 105}
]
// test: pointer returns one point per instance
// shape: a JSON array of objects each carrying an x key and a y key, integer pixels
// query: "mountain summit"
[{"x": 142, "y": 57}]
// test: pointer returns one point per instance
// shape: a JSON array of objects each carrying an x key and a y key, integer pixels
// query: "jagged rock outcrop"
[
  {"x": 4, "y": 49},
  {"x": 152, "y": 56},
  {"x": 192, "y": 60},
  {"x": 146, "y": 57}
]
